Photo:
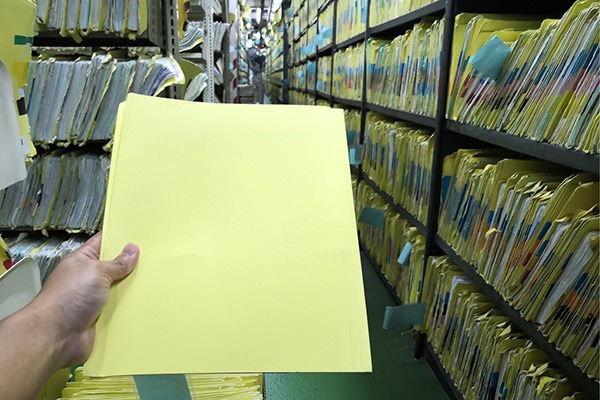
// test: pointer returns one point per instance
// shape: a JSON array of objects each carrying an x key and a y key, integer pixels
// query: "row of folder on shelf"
[
  {"x": 75, "y": 99},
  {"x": 80, "y": 17},
  {"x": 527, "y": 76},
  {"x": 531, "y": 230},
  {"x": 486, "y": 355}
]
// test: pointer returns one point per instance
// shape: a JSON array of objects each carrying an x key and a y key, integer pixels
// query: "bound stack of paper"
[
  {"x": 537, "y": 83},
  {"x": 348, "y": 71},
  {"x": 398, "y": 157},
  {"x": 75, "y": 17},
  {"x": 485, "y": 355},
  {"x": 63, "y": 190},
  {"x": 532, "y": 232},
  {"x": 352, "y": 119},
  {"x": 403, "y": 74},
  {"x": 77, "y": 100},
  {"x": 249, "y": 254},
  {"x": 194, "y": 35},
  {"x": 325, "y": 24},
  {"x": 47, "y": 252}
]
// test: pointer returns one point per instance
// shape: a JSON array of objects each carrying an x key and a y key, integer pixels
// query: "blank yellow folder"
[{"x": 249, "y": 252}]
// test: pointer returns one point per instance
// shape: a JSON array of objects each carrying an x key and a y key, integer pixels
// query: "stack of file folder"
[
  {"x": 325, "y": 23},
  {"x": 393, "y": 243},
  {"x": 386, "y": 10},
  {"x": 351, "y": 19},
  {"x": 348, "y": 72},
  {"x": 76, "y": 99},
  {"x": 76, "y": 17},
  {"x": 545, "y": 82},
  {"x": 47, "y": 252},
  {"x": 196, "y": 386},
  {"x": 63, "y": 190},
  {"x": 486, "y": 356},
  {"x": 324, "y": 74},
  {"x": 193, "y": 36},
  {"x": 398, "y": 156},
  {"x": 403, "y": 74},
  {"x": 531, "y": 230},
  {"x": 352, "y": 118}
]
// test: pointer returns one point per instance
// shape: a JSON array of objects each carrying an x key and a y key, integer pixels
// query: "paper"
[
  {"x": 372, "y": 216},
  {"x": 490, "y": 58},
  {"x": 404, "y": 257},
  {"x": 12, "y": 160},
  {"x": 404, "y": 315},
  {"x": 249, "y": 258}
]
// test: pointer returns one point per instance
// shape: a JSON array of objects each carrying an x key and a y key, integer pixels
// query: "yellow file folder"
[{"x": 249, "y": 252}]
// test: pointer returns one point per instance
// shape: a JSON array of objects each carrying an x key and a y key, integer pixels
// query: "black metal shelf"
[
  {"x": 591, "y": 387},
  {"x": 323, "y": 95},
  {"x": 420, "y": 119},
  {"x": 311, "y": 91},
  {"x": 546, "y": 151},
  {"x": 324, "y": 5},
  {"x": 349, "y": 42},
  {"x": 354, "y": 170},
  {"x": 379, "y": 271},
  {"x": 347, "y": 102},
  {"x": 440, "y": 372},
  {"x": 94, "y": 39},
  {"x": 325, "y": 50},
  {"x": 403, "y": 22},
  {"x": 398, "y": 208}
]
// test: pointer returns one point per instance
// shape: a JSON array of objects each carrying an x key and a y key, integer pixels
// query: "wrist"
[{"x": 44, "y": 324}]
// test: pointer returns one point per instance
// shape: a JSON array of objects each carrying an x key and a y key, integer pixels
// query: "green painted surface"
[{"x": 396, "y": 374}]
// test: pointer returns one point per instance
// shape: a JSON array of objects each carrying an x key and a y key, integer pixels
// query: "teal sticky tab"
[
  {"x": 356, "y": 155},
  {"x": 491, "y": 57},
  {"x": 404, "y": 315},
  {"x": 372, "y": 216},
  {"x": 300, "y": 74},
  {"x": 404, "y": 257},
  {"x": 351, "y": 136},
  {"x": 23, "y": 40},
  {"x": 160, "y": 387}
]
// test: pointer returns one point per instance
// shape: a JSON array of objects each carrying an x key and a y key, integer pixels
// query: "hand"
[
  {"x": 57, "y": 328},
  {"x": 76, "y": 292}
]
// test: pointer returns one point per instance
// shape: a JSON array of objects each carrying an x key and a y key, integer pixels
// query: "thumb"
[{"x": 123, "y": 264}]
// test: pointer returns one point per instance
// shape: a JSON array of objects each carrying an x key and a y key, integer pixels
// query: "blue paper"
[
  {"x": 290, "y": 13},
  {"x": 159, "y": 387},
  {"x": 300, "y": 74},
  {"x": 311, "y": 67},
  {"x": 356, "y": 155},
  {"x": 372, "y": 216},
  {"x": 490, "y": 58},
  {"x": 404, "y": 257},
  {"x": 404, "y": 315},
  {"x": 319, "y": 39}
]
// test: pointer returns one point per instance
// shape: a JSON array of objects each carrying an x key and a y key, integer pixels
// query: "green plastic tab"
[{"x": 160, "y": 387}]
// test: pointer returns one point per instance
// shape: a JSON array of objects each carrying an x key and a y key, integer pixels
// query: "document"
[{"x": 249, "y": 254}]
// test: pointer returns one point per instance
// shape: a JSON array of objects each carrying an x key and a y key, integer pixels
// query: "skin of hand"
[{"x": 57, "y": 329}]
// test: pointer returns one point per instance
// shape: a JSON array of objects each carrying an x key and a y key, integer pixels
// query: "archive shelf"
[
  {"x": 397, "y": 207},
  {"x": 420, "y": 119},
  {"x": 571, "y": 158},
  {"x": 324, "y": 5},
  {"x": 448, "y": 137},
  {"x": 527, "y": 327}
]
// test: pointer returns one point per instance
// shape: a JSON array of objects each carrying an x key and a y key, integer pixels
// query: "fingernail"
[{"x": 130, "y": 250}]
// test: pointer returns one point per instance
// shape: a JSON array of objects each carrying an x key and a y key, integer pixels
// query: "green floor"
[{"x": 396, "y": 374}]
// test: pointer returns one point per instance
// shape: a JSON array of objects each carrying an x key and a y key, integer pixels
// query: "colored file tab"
[
  {"x": 490, "y": 59},
  {"x": 241, "y": 269},
  {"x": 157, "y": 387},
  {"x": 372, "y": 216},
  {"x": 404, "y": 257},
  {"x": 404, "y": 315}
]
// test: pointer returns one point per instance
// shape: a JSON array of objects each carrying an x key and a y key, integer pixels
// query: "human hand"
[{"x": 75, "y": 293}]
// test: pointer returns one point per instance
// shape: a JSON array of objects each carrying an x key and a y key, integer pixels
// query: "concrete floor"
[{"x": 396, "y": 374}]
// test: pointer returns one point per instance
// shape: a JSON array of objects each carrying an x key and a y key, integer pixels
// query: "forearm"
[{"x": 29, "y": 353}]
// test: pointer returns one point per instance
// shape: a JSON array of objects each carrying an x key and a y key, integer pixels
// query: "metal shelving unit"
[{"x": 450, "y": 135}]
